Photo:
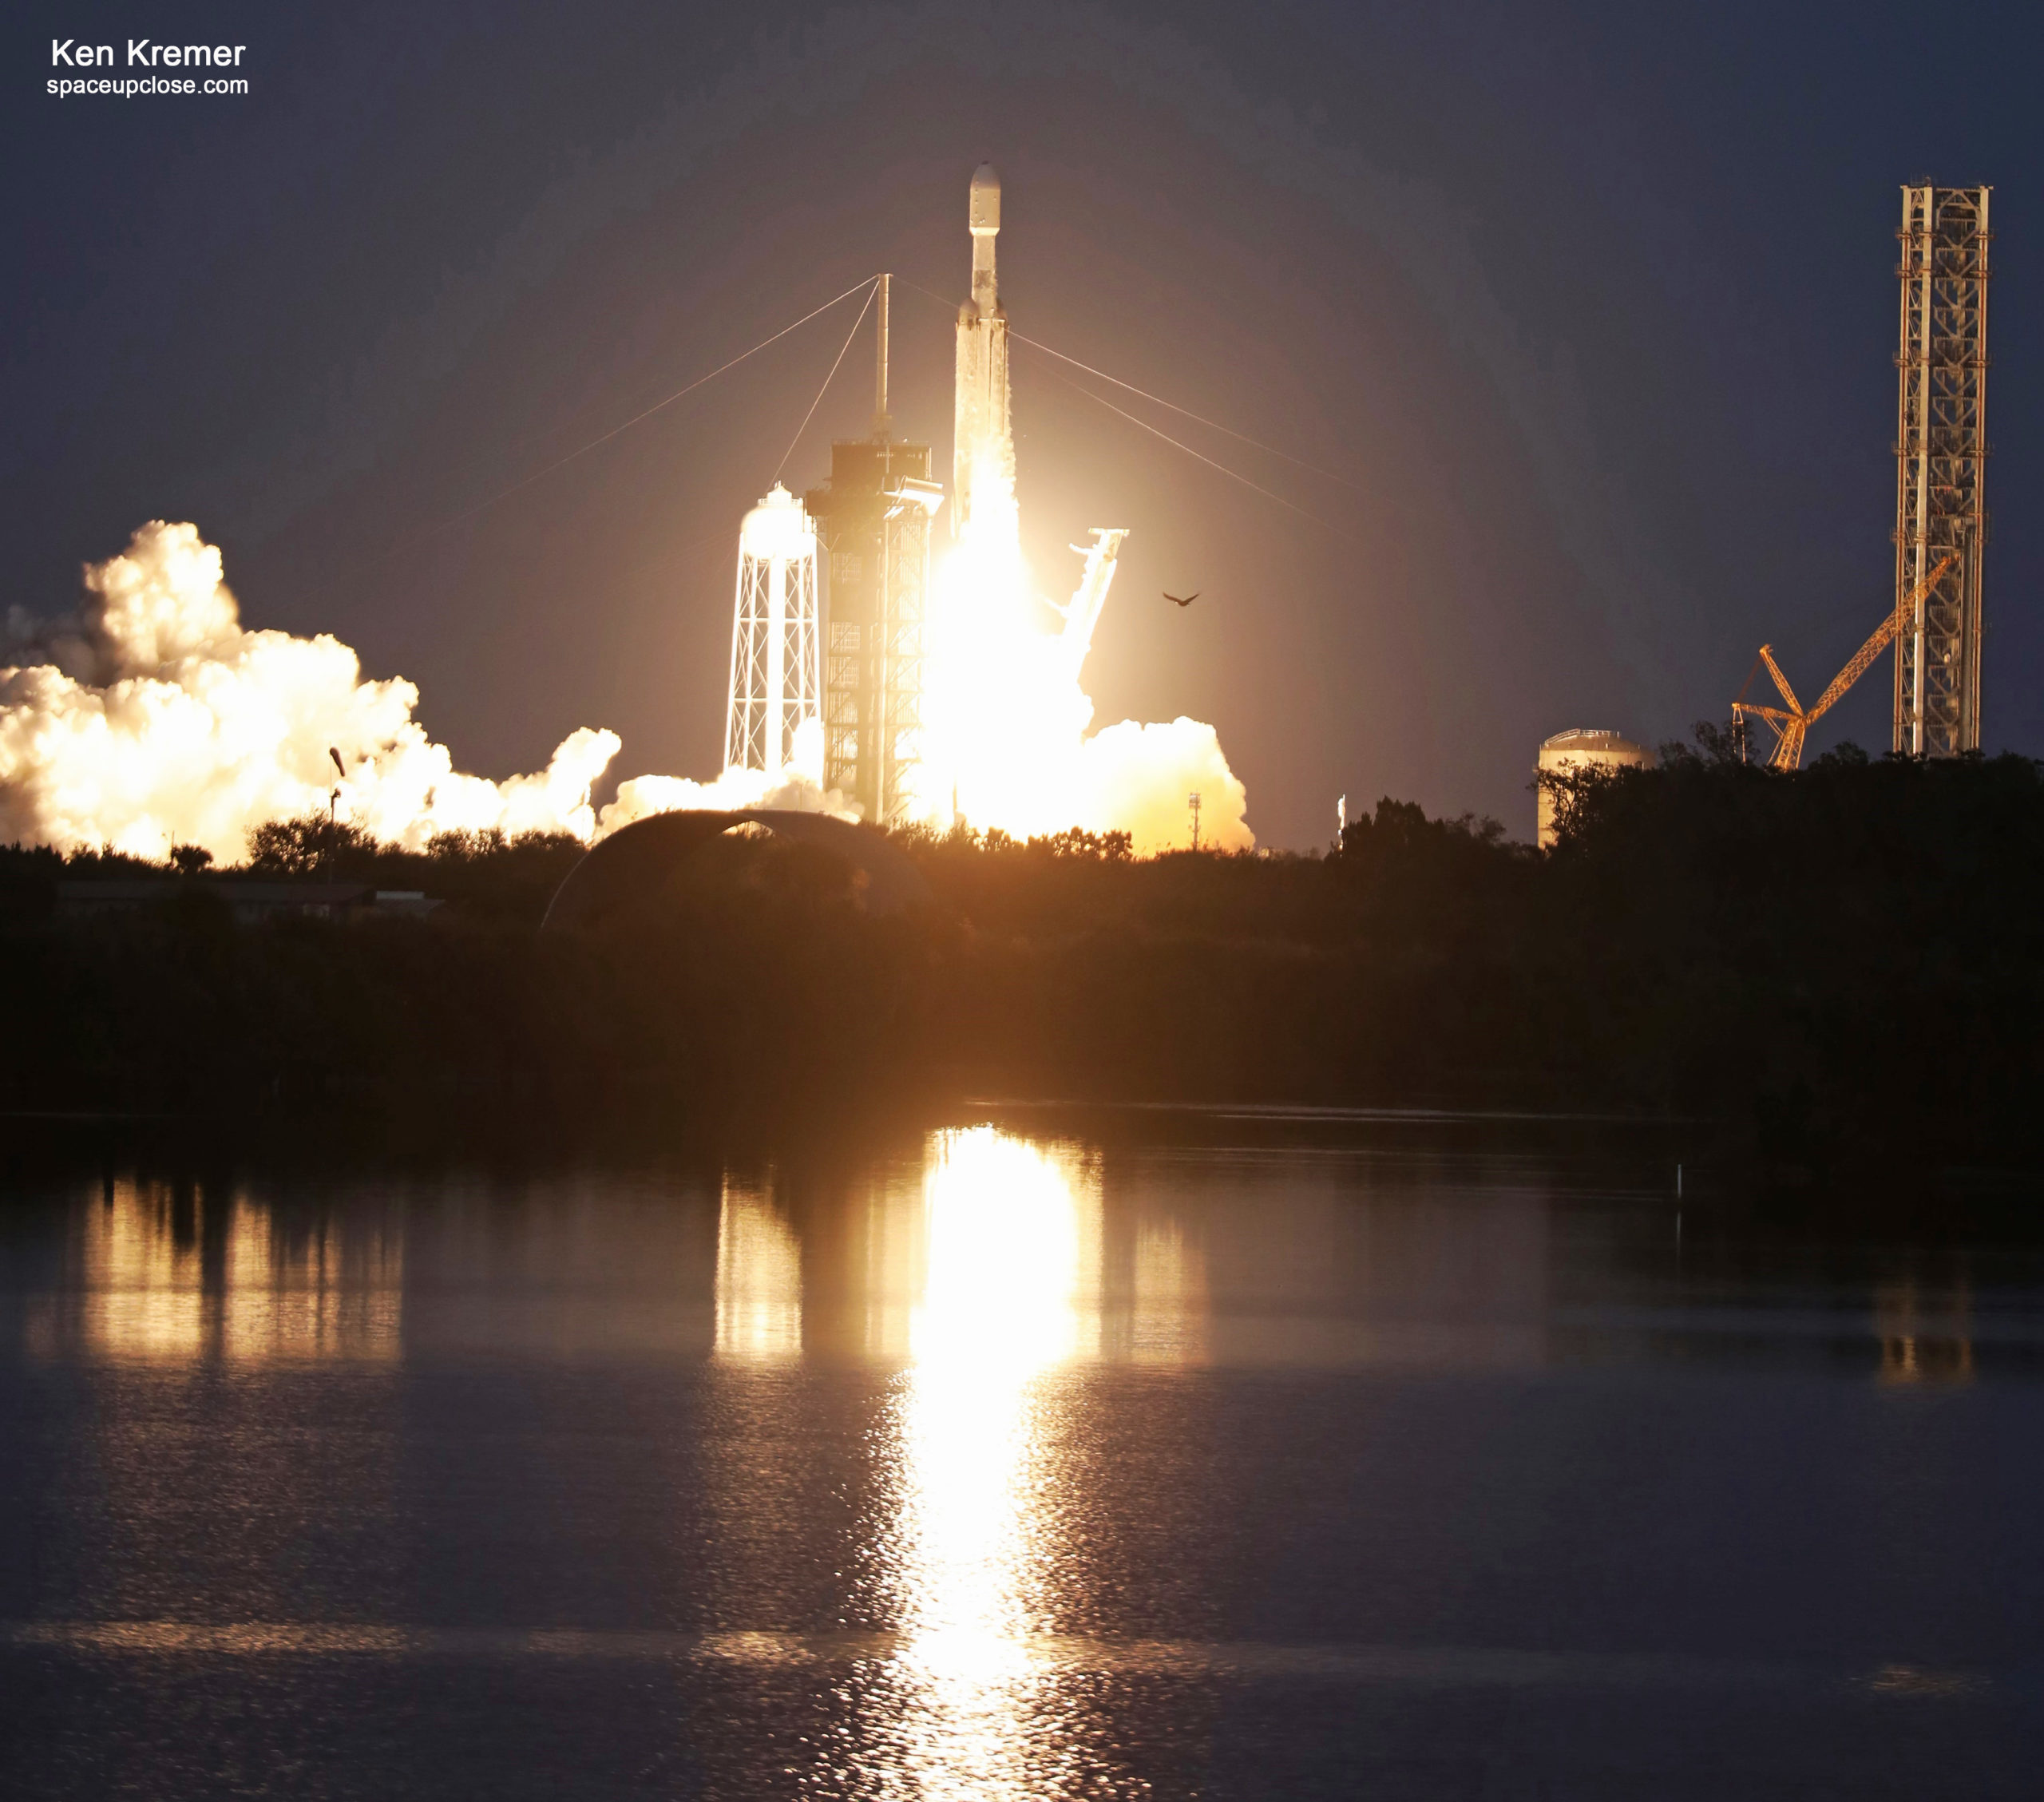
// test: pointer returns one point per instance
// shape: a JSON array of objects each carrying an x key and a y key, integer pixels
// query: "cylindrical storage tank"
[
  {"x": 1577, "y": 749},
  {"x": 776, "y": 643}
]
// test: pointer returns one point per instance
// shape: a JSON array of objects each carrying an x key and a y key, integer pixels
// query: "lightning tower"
[
  {"x": 1941, "y": 452},
  {"x": 774, "y": 642}
]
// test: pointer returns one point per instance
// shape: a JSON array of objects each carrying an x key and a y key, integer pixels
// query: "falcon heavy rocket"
[{"x": 983, "y": 447}]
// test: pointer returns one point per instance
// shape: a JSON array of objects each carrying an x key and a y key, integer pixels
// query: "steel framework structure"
[
  {"x": 874, "y": 517},
  {"x": 1941, "y": 452},
  {"x": 846, "y": 683},
  {"x": 873, "y": 684},
  {"x": 904, "y": 614},
  {"x": 775, "y": 672}
]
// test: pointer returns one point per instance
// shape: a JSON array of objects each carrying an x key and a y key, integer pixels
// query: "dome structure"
[{"x": 627, "y": 873}]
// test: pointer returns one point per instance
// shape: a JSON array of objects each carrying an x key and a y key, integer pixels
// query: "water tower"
[{"x": 1567, "y": 753}]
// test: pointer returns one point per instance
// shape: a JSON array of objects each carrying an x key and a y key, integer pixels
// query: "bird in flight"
[{"x": 1185, "y": 602}]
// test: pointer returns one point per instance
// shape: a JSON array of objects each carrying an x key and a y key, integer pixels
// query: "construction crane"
[{"x": 1791, "y": 724}]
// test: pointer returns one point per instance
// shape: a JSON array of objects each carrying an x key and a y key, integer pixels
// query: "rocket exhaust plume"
[
  {"x": 150, "y": 717},
  {"x": 1007, "y": 715}
]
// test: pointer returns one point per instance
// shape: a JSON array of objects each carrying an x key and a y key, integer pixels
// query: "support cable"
[
  {"x": 1187, "y": 411},
  {"x": 1201, "y": 418},
  {"x": 526, "y": 481},
  {"x": 1232, "y": 475},
  {"x": 678, "y": 392},
  {"x": 873, "y": 286}
]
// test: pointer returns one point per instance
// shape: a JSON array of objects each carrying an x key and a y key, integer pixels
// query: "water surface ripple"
[{"x": 1009, "y": 1463}]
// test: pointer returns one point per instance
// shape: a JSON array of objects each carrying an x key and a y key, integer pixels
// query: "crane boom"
[
  {"x": 1780, "y": 681},
  {"x": 1862, "y": 659},
  {"x": 1790, "y": 728}
]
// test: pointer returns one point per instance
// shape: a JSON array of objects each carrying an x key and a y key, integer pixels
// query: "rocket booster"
[{"x": 983, "y": 444}]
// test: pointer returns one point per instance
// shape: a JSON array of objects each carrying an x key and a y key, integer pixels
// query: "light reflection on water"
[
  {"x": 908, "y": 1395},
  {"x": 758, "y": 1280},
  {"x": 1924, "y": 1341},
  {"x": 164, "y": 1276},
  {"x": 1232, "y": 1261},
  {"x": 983, "y": 1276},
  {"x": 1009, "y": 1292}
]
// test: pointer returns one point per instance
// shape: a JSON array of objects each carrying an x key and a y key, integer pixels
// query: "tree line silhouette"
[{"x": 1835, "y": 969}]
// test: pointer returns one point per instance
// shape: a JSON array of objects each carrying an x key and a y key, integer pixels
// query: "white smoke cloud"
[
  {"x": 1139, "y": 778},
  {"x": 735, "y": 791},
  {"x": 151, "y": 717}
]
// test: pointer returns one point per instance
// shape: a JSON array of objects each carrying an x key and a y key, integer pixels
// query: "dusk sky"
[{"x": 1588, "y": 314}]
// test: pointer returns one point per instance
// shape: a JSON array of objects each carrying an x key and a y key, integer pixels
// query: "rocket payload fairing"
[{"x": 982, "y": 446}]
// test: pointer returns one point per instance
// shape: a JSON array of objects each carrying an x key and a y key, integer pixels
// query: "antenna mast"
[{"x": 881, "y": 421}]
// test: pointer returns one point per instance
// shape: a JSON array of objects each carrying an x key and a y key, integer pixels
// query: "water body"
[{"x": 1024, "y": 1459}]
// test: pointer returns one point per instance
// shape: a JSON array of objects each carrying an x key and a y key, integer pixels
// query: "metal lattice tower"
[
  {"x": 1941, "y": 453},
  {"x": 904, "y": 615},
  {"x": 775, "y": 674},
  {"x": 875, "y": 518}
]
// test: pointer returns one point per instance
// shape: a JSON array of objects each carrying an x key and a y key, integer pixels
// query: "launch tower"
[
  {"x": 1941, "y": 451},
  {"x": 873, "y": 516}
]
